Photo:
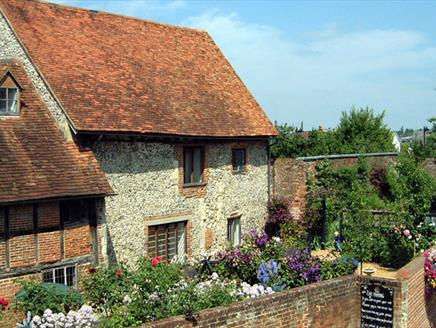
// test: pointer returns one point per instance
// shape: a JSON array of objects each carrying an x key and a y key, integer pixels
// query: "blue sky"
[{"x": 309, "y": 61}]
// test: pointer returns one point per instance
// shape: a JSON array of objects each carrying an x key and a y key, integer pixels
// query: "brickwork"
[
  {"x": 36, "y": 241},
  {"x": 192, "y": 191},
  {"x": 333, "y": 303},
  {"x": 77, "y": 240},
  {"x": 421, "y": 308},
  {"x": 290, "y": 177}
]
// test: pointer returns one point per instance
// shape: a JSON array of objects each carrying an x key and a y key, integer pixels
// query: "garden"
[
  {"x": 128, "y": 295},
  {"x": 354, "y": 214}
]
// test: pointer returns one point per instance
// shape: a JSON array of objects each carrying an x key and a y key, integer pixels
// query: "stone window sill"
[{"x": 193, "y": 185}]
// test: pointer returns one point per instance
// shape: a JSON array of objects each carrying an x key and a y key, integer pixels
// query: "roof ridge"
[{"x": 151, "y": 21}]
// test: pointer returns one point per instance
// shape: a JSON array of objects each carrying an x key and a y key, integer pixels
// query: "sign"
[{"x": 377, "y": 310}]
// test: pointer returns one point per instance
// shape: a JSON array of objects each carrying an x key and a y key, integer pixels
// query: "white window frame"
[
  {"x": 234, "y": 230},
  {"x": 8, "y": 111},
  {"x": 64, "y": 268}
]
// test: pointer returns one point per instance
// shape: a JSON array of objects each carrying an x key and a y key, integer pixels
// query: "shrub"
[
  {"x": 301, "y": 268},
  {"x": 37, "y": 297},
  {"x": 83, "y": 318},
  {"x": 430, "y": 271},
  {"x": 105, "y": 288}
]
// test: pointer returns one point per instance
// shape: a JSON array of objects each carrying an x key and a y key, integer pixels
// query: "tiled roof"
[
  {"x": 36, "y": 162},
  {"x": 113, "y": 73}
]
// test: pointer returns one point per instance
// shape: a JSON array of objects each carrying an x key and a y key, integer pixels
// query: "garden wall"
[
  {"x": 290, "y": 174},
  {"x": 419, "y": 308},
  {"x": 333, "y": 303}
]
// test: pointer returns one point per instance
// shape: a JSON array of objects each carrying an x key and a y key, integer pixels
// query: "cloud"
[{"x": 327, "y": 71}]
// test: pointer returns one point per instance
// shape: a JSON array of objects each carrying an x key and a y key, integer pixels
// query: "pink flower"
[
  {"x": 156, "y": 260},
  {"x": 3, "y": 303},
  {"x": 406, "y": 232}
]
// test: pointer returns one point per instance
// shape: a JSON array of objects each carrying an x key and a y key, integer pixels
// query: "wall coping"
[
  {"x": 338, "y": 156},
  {"x": 266, "y": 300}
]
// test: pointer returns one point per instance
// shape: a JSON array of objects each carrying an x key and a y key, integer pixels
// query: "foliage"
[
  {"x": 270, "y": 262},
  {"x": 36, "y": 297},
  {"x": 105, "y": 288},
  {"x": 83, "y": 318},
  {"x": 428, "y": 149},
  {"x": 430, "y": 271},
  {"x": 372, "y": 208},
  {"x": 359, "y": 131}
]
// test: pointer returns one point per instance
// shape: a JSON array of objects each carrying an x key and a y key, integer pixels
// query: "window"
[
  {"x": 168, "y": 241},
  {"x": 64, "y": 275},
  {"x": 193, "y": 165},
  {"x": 8, "y": 101},
  {"x": 74, "y": 210},
  {"x": 239, "y": 160},
  {"x": 234, "y": 231}
]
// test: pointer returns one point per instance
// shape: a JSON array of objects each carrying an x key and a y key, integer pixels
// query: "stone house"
[{"x": 128, "y": 138}]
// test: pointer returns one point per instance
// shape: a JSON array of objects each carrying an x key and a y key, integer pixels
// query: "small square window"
[
  {"x": 193, "y": 158},
  {"x": 74, "y": 210},
  {"x": 168, "y": 241},
  {"x": 239, "y": 160},
  {"x": 62, "y": 275},
  {"x": 234, "y": 231},
  {"x": 8, "y": 101}
]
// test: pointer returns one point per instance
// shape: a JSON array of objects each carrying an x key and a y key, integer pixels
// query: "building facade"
[{"x": 157, "y": 150}]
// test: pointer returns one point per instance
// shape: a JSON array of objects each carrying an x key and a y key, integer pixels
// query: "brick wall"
[
  {"x": 333, "y": 303},
  {"x": 36, "y": 241},
  {"x": 290, "y": 176},
  {"x": 420, "y": 308}
]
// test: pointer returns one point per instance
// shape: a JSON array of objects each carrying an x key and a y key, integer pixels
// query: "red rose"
[
  {"x": 157, "y": 260},
  {"x": 118, "y": 273},
  {"x": 3, "y": 303},
  {"x": 92, "y": 270}
]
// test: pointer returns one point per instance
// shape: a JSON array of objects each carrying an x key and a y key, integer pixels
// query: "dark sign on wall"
[{"x": 377, "y": 305}]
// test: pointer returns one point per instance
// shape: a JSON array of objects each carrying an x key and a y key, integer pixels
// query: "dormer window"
[{"x": 8, "y": 101}]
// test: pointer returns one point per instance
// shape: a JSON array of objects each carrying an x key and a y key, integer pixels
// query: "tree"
[
  {"x": 360, "y": 131},
  {"x": 426, "y": 149}
]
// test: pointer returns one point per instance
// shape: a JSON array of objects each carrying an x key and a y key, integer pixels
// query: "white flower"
[
  {"x": 127, "y": 299},
  {"x": 214, "y": 276},
  {"x": 276, "y": 239}
]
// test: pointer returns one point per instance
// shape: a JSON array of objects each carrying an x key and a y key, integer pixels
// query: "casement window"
[
  {"x": 74, "y": 210},
  {"x": 66, "y": 275},
  {"x": 9, "y": 101},
  {"x": 239, "y": 159},
  {"x": 168, "y": 241},
  {"x": 234, "y": 231},
  {"x": 193, "y": 165}
]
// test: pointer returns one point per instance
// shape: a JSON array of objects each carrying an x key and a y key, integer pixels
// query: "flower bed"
[{"x": 121, "y": 296}]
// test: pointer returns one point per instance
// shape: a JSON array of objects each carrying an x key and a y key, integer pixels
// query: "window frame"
[
  {"x": 64, "y": 269},
  {"x": 231, "y": 228},
  {"x": 156, "y": 240},
  {"x": 17, "y": 101},
  {"x": 202, "y": 166},
  {"x": 234, "y": 158},
  {"x": 68, "y": 206}
]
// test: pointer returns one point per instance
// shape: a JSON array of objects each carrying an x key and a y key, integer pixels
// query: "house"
[{"x": 145, "y": 137}]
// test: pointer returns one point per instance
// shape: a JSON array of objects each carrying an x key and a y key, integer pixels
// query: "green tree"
[
  {"x": 428, "y": 149},
  {"x": 361, "y": 131}
]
